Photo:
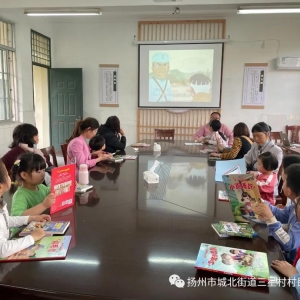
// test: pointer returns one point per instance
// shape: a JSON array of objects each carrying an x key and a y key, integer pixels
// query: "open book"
[{"x": 242, "y": 192}]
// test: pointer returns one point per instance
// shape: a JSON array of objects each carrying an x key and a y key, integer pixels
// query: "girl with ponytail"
[
  {"x": 78, "y": 151},
  {"x": 9, "y": 247},
  {"x": 31, "y": 196}
]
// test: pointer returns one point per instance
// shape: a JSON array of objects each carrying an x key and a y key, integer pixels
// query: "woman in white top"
[
  {"x": 262, "y": 143},
  {"x": 9, "y": 247}
]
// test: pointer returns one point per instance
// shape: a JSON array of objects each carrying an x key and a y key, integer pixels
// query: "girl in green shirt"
[{"x": 31, "y": 197}]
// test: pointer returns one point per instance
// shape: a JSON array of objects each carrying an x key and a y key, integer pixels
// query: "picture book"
[
  {"x": 242, "y": 192},
  {"x": 68, "y": 215},
  {"x": 63, "y": 186},
  {"x": 235, "y": 166},
  {"x": 233, "y": 261},
  {"x": 50, "y": 227},
  {"x": 223, "y": 196},
  {"x": 226, "y": 229},
  {"x": 82, "y": 188},
  {"x": 48, "y": 248}
]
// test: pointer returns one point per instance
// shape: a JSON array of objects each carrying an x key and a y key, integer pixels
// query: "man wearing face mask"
[
  {"x": 159, "y": 84},
  {"x": 204, "y": 132}
]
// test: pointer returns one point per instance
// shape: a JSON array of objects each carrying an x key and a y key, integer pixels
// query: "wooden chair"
[
  {"x": 281, "y": 198},
  {"x": 50, "y": 151},
  {"x": 295, "y": 133},
  {"x": 164, "y": 134},
  {"x": 275, "y": 136},
  {"x": 64, "y": 148}
]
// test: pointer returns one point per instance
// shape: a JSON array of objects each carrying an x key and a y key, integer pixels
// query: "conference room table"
[{"x": 129, "y": 237}]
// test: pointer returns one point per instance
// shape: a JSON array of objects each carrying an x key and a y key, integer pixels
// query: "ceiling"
[
  {"x": 137, "y": 9},
  {"x": 132, "y": 3}
]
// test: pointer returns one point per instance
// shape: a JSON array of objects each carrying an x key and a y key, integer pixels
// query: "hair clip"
[
  {"x": 15, "y": 182},
  {"x": 17, "y": 162}
]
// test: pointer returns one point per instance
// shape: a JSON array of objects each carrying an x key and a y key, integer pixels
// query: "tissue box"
[{"x": 151, "y": 177}]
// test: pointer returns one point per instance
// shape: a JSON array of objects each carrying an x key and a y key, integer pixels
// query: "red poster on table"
[{"x": 63, "y": 187}]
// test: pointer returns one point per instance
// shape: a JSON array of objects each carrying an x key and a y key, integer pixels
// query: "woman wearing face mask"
[{"x": 262, "y": 143}]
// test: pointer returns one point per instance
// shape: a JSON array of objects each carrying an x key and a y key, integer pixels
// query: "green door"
[{"x": 66, "y": 103}]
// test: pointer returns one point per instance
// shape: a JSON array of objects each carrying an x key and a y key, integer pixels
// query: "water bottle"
[{"x": 83, "y": 174}]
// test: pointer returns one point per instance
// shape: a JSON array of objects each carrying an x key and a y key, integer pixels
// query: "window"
[
  {"x": 40, "y": 49},
  {"x": 8, "y": 80}
]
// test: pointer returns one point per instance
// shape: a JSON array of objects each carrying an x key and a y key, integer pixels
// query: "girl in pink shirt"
[
  {"x": 266, "y": 178},
  {"x": 78, "y": 151}
]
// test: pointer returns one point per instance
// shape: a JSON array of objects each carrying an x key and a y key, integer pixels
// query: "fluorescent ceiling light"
[
  {"x": 268, "y": 10},
  {"x": 63, "y": 12}
]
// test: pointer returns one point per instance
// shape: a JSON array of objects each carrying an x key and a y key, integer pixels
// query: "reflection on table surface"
[{"x": 131, "y": 237}]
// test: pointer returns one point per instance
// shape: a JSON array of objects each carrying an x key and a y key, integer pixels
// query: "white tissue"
[
  {"x": 156, "y": 147},
  {"x": 150, "y": 176}
]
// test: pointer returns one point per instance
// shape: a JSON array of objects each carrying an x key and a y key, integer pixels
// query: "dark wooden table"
[{"x": 130, "y": 237}]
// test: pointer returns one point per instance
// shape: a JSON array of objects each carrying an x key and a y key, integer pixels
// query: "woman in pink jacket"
[{"x": 78, "y": 151}]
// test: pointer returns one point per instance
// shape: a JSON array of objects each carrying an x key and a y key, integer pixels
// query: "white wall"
[
  {"x": 23, "y": 25},
  {"x": 87, "y": 45},
  {"x": 282, "y": 87},
  {"x": 41, "y": 101}
]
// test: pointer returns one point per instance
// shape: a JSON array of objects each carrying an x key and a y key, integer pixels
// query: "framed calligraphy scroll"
[
  {"x": 254, "y": 89},
  {"x": 109, "y": 85}
]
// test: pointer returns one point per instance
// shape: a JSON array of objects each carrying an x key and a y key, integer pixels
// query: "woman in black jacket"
[{"x": 114, "y": 135}]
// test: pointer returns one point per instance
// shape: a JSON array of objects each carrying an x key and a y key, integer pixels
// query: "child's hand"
[
  {"x": 38, "y": 234},
  {"x": 263, "y": 210},
  {"x": 284, "y": 268},
  {"x": 215, "y": 154},
  {"x": 253, "y": 172},
  {"x": 49, "y": 200},
  {"x": 42, "y": 218}
]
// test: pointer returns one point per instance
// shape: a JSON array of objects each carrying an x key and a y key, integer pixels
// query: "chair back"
[
  {"x": 48, "y": 152},
  {"x": 64, "y": 148},
  {"x": 275, "y": 136},
  {"x": 164, "y": 134},
  {"x": 295, "y": 133},
  {"x": 281, "y": 198}
]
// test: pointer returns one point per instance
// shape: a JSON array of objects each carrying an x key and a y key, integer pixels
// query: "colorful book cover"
[
  {"x": 226, "y": 229},
  {"x": 48, "y": 248},
  {"x": 242, "y": 192},
  {"x": 50, "y": 227},
  {"x": 68, "y": 215},
  {"x": 233, "y": 261},
  {"x": 63, "y": 186}
]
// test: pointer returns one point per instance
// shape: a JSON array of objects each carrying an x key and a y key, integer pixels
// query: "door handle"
[{"x": 79, "y": 118}]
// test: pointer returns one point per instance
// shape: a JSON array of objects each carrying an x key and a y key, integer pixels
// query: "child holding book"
[
  {"x": 31, "y": 197},
  {"x": 9, "y": 247},
  {"x": 289, "y": 240},
  {"x": 266, "y": 177}
]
